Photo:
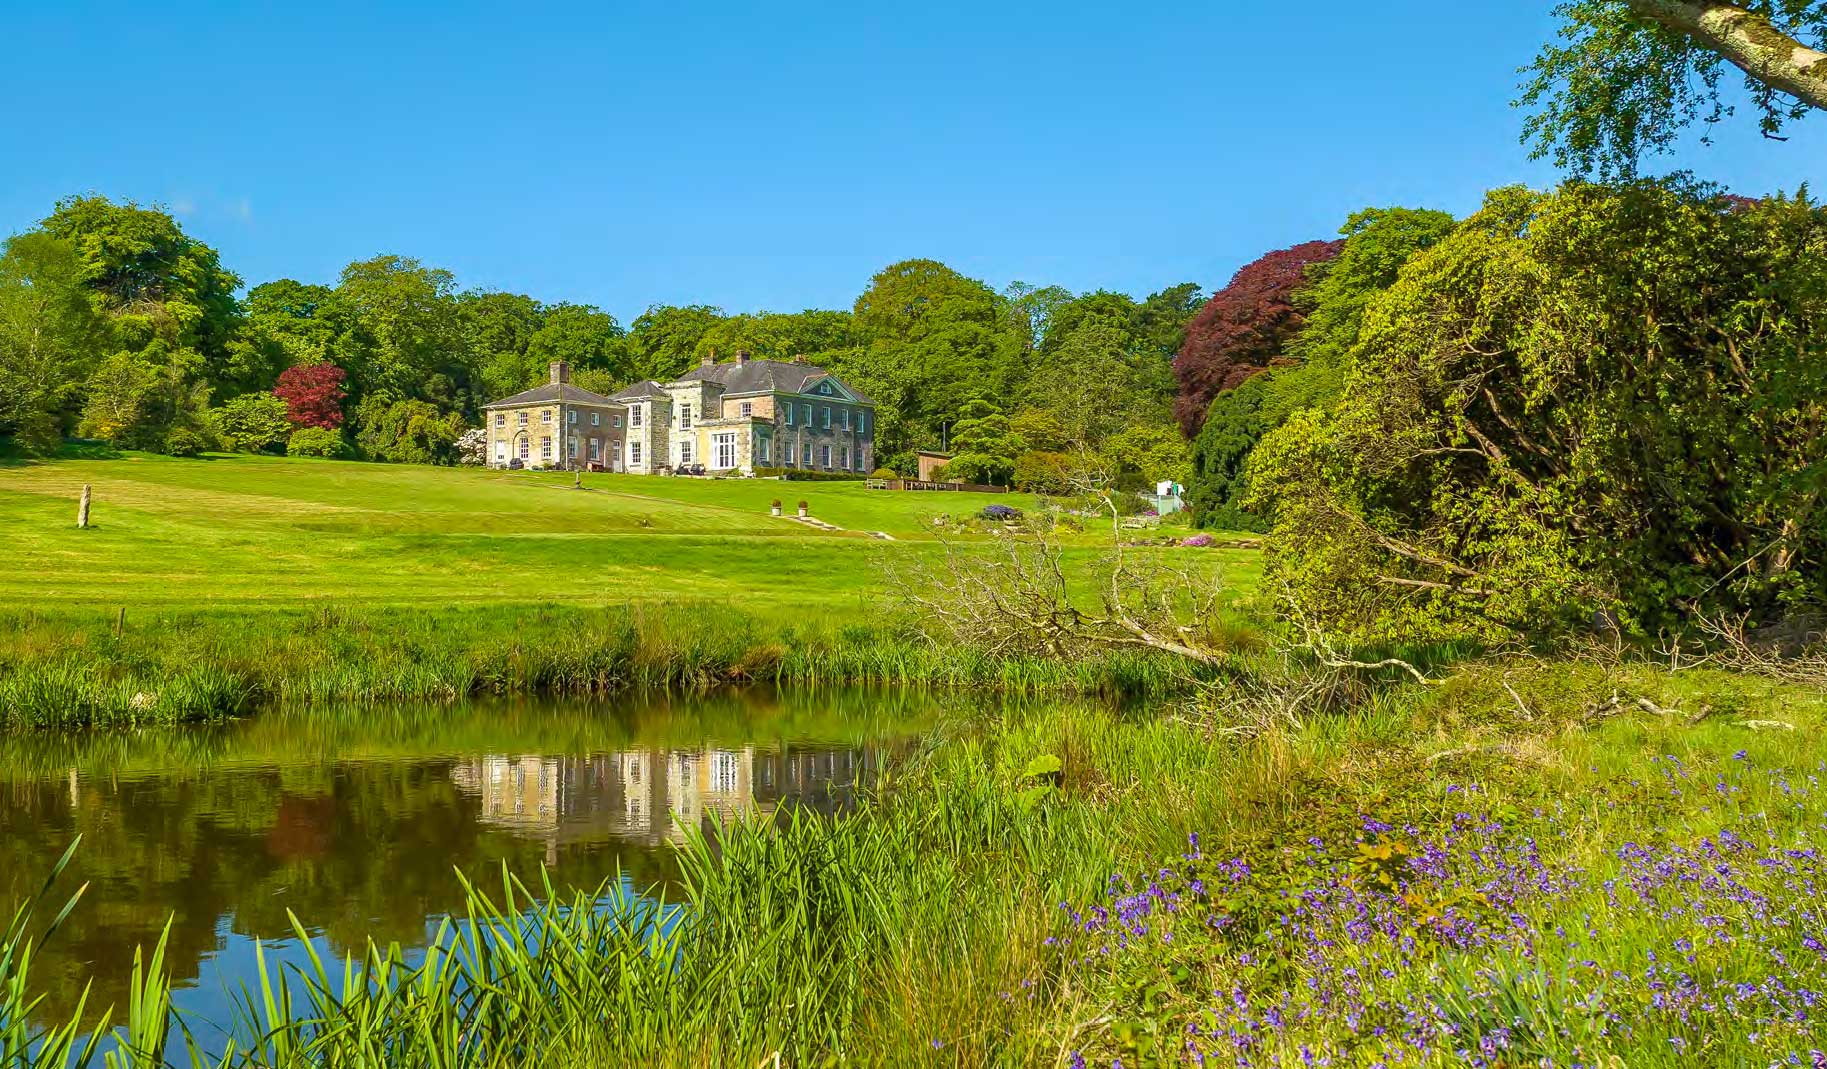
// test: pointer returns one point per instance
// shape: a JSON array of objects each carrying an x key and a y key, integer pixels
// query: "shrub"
[
  {"x": 253, "y": 422},
  {"x": 885, "y": 473},
  {"x": 316, "y": 442},
  {"x": 184, "y": 442},
  {"x": 1198, "y": 541},
  {"x": 1000, "y": 513}
]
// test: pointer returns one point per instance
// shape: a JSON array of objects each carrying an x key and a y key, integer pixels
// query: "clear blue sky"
[{"x": 774, "y": 156}]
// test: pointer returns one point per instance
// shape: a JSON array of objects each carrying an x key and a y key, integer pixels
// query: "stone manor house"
[{"x": 730, "y": 417}]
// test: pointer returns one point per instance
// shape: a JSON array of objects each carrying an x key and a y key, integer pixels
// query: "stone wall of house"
[
  {"x": 546, "y": 431},
  {"x": 654, "y": 434}
]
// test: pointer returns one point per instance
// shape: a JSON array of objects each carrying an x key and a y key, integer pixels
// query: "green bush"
[
  {"x": 184, "y": 442},
  {"x": 317, "y": 442}
]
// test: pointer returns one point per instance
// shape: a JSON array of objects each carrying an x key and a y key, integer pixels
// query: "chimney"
[
  {"x": 799, "y": 358},
  {"x": 709, "y": 359},
  {"x": 561, "y": 372},
  {"x": 742, "y": 356}
]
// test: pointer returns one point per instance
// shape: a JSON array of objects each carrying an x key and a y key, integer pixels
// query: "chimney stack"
[
  {"x": 561, "y": 372},
  {"x": 709, "y": 359},
  {"x": 742, "y": 356}
]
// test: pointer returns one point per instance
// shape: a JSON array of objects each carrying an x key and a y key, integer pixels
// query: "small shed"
[{"x": 931, "y": 462}]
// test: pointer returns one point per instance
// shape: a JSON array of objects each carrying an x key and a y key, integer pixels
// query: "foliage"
[
  {"x": 984, "y": 447},
  {"x": 1041, "y": 472},
  {"x": 47, "y": 333},
  {"x": 1619, "y": 84},
  {"x": 1152, "y": 453},
  {"x": 116, "y": 396},
  {"x": 313, "y": 395},
  {"x": 1000, "y": 513},
  {"x": 323, "y": 442},
  {"x": 184, "y": 442},
  {"x": 1378, "y": 242},
  {"x": 253, "y": 422},
  {"x": 1532, "y": 435},
  {"x": 407, "y": 432},
  {"x": 1244, "y": 328},
  {"x": 663, "y": 340}
]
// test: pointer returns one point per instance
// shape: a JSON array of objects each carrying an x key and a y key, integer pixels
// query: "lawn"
[{"x": 244, "y": 530}]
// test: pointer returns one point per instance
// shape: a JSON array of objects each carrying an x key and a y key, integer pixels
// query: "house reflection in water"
[{"x": 653, "y": 795}]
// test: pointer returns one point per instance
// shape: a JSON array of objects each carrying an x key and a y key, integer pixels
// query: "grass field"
[{"x": 241, "y": 530}]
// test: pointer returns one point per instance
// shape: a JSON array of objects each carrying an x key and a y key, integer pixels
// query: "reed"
[{"x": 72, "y": 670}]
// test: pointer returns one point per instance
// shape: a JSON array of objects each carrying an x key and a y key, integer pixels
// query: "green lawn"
[{"x": 245, "y": 530}]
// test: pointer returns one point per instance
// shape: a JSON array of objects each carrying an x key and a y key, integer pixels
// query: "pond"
[{"x": 356, "y": 820}]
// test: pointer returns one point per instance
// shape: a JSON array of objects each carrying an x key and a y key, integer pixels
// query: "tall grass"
[{"x": 73, "y": 670}]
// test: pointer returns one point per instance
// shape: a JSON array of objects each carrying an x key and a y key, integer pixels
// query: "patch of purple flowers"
[{"x": 1464, "y": 944}]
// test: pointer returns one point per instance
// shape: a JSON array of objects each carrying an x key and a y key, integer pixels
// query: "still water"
[{"x": 356, "y": 820}]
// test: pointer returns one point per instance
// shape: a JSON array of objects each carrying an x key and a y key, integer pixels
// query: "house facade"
[
  {"x": 556, "y": 425},
  {"x": 743, "y": 414}
]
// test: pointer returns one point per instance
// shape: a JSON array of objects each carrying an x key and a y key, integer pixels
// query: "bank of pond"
[{"x": 897, "y": 877}]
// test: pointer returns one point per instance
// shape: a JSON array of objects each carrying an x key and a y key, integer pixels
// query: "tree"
[
  {"x": 985, "y": 446},
  {"x": 1030, "y": 310},
  {"x": 47, "y": 331},
  {"x": 407, "y": 432},
  {"x": 779, "y": 335},
  {"x": 313, "y": 395},
  {"x": 582, "y": 336},
  {"x": 499, "y": 328},
  {"x": 1244, "y": 328},
  {"x": 1630, "y": 75},
  {"x": 1160, "y": 321},
  {"x": 286, "y": 324},
  {"x": 403, "y": 333},
  {"x": 253, "y": 422},
  {"x": 1531, "y": 435},
  {"x": 115, "y": 397},
  {"x": 663, "y": 340},
  {"x": 936, "y": 340},
  {"x": 150, "y": 278}
]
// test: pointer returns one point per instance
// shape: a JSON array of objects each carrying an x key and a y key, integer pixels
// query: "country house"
[{"x": 730, "y": 417}]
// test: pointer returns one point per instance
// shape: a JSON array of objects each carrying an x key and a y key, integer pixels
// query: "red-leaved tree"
[
  {"x": 313, "y": 395},
  {"x": 1243, "y": 328}
]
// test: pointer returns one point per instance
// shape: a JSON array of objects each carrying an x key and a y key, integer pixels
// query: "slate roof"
[
  {"x": 552, "y": 391},
  {"x": 766, "y": 376},
  {"x": 644, "y": 388}
]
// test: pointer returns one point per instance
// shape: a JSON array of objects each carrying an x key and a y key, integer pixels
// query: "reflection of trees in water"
[{"x": 366, "y": 848}]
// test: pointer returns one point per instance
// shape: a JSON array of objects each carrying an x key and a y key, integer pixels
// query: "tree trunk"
[{"x": 1749, "y": 41}]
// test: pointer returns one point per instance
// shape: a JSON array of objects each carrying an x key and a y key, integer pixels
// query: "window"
[
  {"x": 748, "y": 408},
  {"x": 808, "y": 454},
  {"x": 805, "y": 410},
  {"x": 596, "y": 419},
  {"x": 826, "y": 422},
  {"x": 846, "y": 419},
  {"x": 571, "y": 416},
  {"x": 789, "y": 411},
  {"x": 546, "y": 416},
  {"x": 571, "y": 447},
  {"x": 685, "y": 417},
  {"x": 501, "y": 419},
  {"x": 761, "y": 449},
  {"x": 545, "y": 448},
  {"x": 824, "y": 456},
  {"x": 862, "y": 422},
  {"x": 596, "y": 450},
  {"x": 685, "y": 452},
  {"x": 634, "y": 452},
  {"x": 524, "y": 443},
  {"x": 500, "y": 452},
  {"x": 523, "y": 419},
  {"x": 616, "y": 421},
  {"x": 843, "y": 456},
  {"x": 860, "y": 466},
  {"x": 725, "y": 445},
  {"x": 634, "y": 415}
]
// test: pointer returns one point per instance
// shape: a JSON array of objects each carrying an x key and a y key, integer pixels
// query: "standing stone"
[{"x": 82, "y": 510}]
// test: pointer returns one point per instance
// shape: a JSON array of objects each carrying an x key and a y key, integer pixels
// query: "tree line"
[{"x": 117, "y": 325}]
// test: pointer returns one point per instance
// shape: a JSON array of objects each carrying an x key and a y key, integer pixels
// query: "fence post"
[{"x": 82, "y": 510}]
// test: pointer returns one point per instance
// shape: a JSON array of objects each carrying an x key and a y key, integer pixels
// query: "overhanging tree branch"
[{"x": 1748, "y": 41}]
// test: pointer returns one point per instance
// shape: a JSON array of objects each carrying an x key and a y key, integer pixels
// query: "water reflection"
[{"x": 355, "y": 822}]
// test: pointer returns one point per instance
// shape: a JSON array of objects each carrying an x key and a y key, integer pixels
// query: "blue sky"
[{"x": 774, "y": 156}]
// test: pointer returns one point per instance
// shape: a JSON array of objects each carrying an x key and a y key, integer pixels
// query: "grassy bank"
[
  {"x": 69, "y": 669},
  {"x": 1499, "y": 870}
]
